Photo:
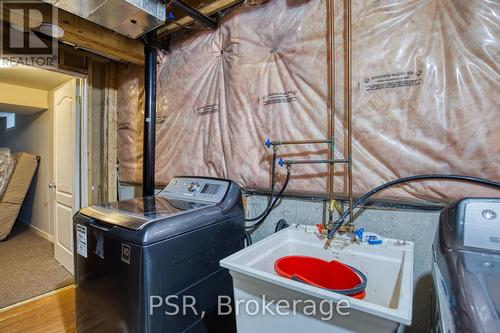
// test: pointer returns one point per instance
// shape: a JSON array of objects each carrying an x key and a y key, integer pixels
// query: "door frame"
[
  {"x": 83, "y": 195},
  {"x": 81, "y": 140}
]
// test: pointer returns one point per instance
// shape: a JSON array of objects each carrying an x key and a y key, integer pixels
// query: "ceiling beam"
[
  {"x": 211, "y": 8},
  {"x": 94, "y": 38}
]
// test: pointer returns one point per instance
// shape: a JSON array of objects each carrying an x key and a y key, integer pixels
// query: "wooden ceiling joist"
[
  {"x": 211, "y": 8},
  {"x": 103, "y": 41},
  {"x": 90, "y": 36}
]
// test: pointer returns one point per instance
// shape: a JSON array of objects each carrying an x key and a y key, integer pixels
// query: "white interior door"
[{"x": 66, "y": 170}]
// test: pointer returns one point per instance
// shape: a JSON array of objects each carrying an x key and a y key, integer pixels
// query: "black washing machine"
[{"x": 152, "y": 264}]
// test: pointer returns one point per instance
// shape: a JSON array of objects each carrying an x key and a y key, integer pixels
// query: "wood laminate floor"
[{"x": 51, "y": 313}]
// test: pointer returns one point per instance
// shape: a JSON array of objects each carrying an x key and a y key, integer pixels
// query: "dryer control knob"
[
  {"x": 193, "y": 187},
  {"x": 489, "y": 214}
]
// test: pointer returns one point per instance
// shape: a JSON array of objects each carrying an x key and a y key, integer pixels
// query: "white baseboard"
[{"x": 39, "y": 231}]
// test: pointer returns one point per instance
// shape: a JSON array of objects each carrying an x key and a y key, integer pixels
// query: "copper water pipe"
[
  {"x": 330, "y": 11},
  {"x": 348, "y": 93},
  {"x": 331, "y": 114}
]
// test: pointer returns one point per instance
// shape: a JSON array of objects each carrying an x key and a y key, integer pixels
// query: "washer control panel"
[
  {"x": 482, "y": 225},
  {"x": 196, "y": 189}
]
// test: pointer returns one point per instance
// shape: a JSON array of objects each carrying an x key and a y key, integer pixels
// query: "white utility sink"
[{"x": 389, "y": 292}]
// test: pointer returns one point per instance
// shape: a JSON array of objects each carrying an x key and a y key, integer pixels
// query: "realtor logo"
[{"x": 23, "y": 32}]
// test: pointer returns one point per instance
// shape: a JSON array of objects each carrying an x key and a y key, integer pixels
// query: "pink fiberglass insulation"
[{"x": 425, "y": 97}]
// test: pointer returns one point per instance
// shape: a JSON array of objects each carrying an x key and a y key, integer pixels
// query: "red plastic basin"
[{"x": 332, "y": 275}]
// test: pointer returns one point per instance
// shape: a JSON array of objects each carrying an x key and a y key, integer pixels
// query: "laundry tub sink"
[{"x": 267, "y": 302}]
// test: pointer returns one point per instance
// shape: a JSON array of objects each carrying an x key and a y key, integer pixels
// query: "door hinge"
[{"x": 79, "y": 99}]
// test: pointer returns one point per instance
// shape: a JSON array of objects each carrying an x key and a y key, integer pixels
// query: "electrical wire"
[
  {"x": 338, "y": 223},
  {"x": 254, "y": 226},
  {"x": 282, "y": 224},
  {"x": 273, "y": 185},
  {"x": 248, "y": 239}
]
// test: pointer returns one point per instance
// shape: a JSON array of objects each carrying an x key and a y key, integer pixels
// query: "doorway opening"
[{"x": 42, "y": 117}]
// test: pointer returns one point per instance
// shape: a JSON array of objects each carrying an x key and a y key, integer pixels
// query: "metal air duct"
[{"x": 131, "y": 18}]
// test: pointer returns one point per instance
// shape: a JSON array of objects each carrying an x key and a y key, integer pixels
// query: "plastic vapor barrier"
[
  {"x": 425, "y": 83},
  {"x": 130, "y": 107}
]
